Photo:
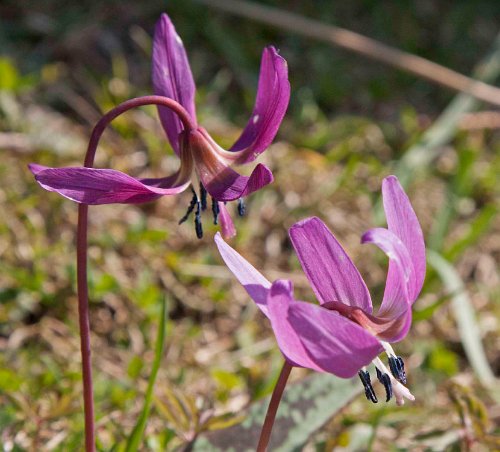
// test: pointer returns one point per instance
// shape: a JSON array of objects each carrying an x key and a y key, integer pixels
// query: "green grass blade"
[
  {"x": 444, "y": 128},
  {"x": 135, "y": 438},
  {"x": 464, "y": 316},
  {"x": 420, "y": 156},
  {"x": 477, "y": 228}
]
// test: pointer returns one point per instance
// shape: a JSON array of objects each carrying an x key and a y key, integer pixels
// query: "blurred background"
[{"x": 351, "y": 122}]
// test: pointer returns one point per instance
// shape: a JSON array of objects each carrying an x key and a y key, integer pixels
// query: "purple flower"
[
  {"x": 199, "y": 154},
  {"x": 342, "y": 335}
]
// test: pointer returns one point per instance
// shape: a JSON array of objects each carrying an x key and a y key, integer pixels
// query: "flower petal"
[
  {"x": 254, "y": 282},
  {"x": 400, "y": 279},
  {"x": 226, "y": 222},
  {"x": 279, "y": 299},
  {"x": 106, "y": 186},
  {"x": 403, "y": 222},
  {"x": 219, "y": 179},
  {"x": 332, "y": 274},
  {"x": 273, "y": 95},
  {"x": 172, "y": 77},
  {"x": 313, "y": 337}
]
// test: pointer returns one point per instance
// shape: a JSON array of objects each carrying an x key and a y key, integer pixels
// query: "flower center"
[
  {"x": 382, "y": 328},
  {"x": 199, "y": 202}
]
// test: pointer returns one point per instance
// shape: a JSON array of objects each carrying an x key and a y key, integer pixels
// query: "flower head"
[
  {"x": 342, "y": 335},
  {"x": 200, "y": 156}
]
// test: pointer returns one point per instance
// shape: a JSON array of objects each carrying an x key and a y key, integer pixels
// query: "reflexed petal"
[
  {"x": 273, "y": 95},
  {"x": 226, "y": 222},
  {"x": 254, "y": 282},
  {"x": 106, "y": 186},
  {"x": 403, "y": 222},
  {"x": 329, "y": 269},
  {"x": 219, "y": 179},
  {"x": 400, "y": 279},
  {"x": 172, "y": 77},
  {"x": 313, "y": 337}
]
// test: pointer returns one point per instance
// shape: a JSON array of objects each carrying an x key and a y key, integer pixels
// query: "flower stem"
[
  {"x": 265, "y": 434},
  {"x": 84, "y": 320},
  {"x": 188, "y": 122},
  {"x": 81, "y": 249}
]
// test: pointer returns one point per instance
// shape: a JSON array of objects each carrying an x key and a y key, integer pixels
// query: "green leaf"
[
  {"x": 306, "y": 406},
  {"x": 135, "y": 438}
]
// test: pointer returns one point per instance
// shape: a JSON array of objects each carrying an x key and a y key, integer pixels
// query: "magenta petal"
[
  {"x": 254, "y": 282},
  {"x": 226, "y": 222},
  {"x": 403, "y": 222},
  {"x": 273, "y": 95},
  {"x": 279, "y": 300},
  {"x": 104, "y": 186},
  {"x": 332, "y": 274},
  {"x": 400, "y": 278},
  {"x": 228, "y": 185},
  {"x": 219, "y": 179},
  {"x": 172, "y": 77},
  {"x": 314, "y": 337}
]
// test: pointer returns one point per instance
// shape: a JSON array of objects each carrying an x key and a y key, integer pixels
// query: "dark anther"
[
  {"x": 364, "y": 376},
  {"x": 197, "y": 220},
  {"x": 241, "y": 207},
  {"x": 386, "y": 381},
  {"x": 397, "y": 367},
  {"x": 401, "y": 367},
  {"x": 215, "y": 210},
  {"x": 193, "y": 202},
  {"x": 203, "y": 197}
]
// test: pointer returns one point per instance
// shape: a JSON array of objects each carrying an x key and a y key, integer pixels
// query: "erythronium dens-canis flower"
[
  {"x": 201, "y": 158},
  {"x": 342, "y": 335}
]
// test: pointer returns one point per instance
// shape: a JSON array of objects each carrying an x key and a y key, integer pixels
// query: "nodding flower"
[
  {"x": 204, "y": 165},
  {"x": 342, "y": 335}
]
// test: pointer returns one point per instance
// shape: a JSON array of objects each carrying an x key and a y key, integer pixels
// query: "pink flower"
[
  {"x": 342, "y": 335},
  {"x": 200, "y": 155}
]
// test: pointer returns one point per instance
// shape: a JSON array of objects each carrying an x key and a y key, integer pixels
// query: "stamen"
[
  {"x": 197, "y": 220},
  {"x": 385, "y": 379},
  {"x": 397, "y": 366},
  {"x": 367, "y": 384},
  {"x": 396, "y": 363},
  {"x": 203, "y": 197},
  {"x": 400, "y": 392},
  {"x": 193, "y": 202},
  {"x": 215, "y": 211},
  {"x": 242, "y": 209},
  {"x": 388, "y": 349}
]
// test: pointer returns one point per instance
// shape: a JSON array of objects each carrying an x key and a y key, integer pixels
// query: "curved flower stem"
[
  {"x": 99, "y": 128},
  {"x": 81, "y": 251},
  {"x": 265, "y": 434}
]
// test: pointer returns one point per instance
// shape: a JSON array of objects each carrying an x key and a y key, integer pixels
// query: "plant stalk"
[
  {"x": 272, "y": 409},
  {"x": 81, "y": 249}
]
